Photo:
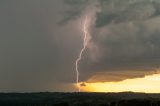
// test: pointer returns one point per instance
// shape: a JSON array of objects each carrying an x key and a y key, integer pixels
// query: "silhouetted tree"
[
  {"x": 134, "y": 102},
  {"x": 158, "y": 103},
  {"x": 104, "y": 104},
  {"x": 113, "y": 104},
  {"x": 122, "y": 103},
  {"x": 62, "y": 104},
  {"x": 154, "y": 104}
]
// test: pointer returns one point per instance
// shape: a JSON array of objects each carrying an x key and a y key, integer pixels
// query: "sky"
[{"x": 41, "y": 39}]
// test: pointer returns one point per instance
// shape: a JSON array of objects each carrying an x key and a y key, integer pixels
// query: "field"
[{"x": 79, "y": 99}]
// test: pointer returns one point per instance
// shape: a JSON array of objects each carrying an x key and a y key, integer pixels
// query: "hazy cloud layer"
[{"x": 35, "y": 52}]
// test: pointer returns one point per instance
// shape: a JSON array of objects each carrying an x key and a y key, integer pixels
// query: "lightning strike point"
[{"x": 85, "y": 42}]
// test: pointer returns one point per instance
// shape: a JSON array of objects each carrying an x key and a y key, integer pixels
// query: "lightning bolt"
[{"x": 85, "y": 42}]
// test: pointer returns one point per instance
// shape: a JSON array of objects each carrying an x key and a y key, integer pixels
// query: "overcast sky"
[{"x": 40, "y": 41}]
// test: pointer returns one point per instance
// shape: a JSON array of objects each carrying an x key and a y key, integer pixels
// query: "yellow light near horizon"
[{"x": 148, "y": 84}]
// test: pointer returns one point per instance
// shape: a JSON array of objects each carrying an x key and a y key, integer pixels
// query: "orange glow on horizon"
[{"x": 148, "y": 84}]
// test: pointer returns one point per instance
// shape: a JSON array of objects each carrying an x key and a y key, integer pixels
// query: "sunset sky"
[{"x": 41, "y": 40}]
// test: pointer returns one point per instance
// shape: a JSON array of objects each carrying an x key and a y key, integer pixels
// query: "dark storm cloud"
[
  {"x": 74, "y": 10},
  {"x": 76, "y": 2},
  {"x": 126, "y": 38},
  {"x": 126, "y": 10},
  {"x": 114, "y": 76}
]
